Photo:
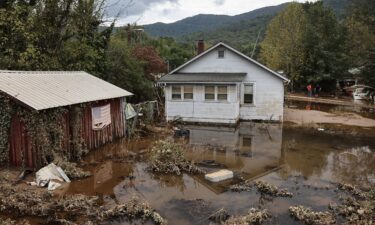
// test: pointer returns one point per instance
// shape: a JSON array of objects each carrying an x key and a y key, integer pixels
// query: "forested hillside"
[{"x": 204, "y": 22}]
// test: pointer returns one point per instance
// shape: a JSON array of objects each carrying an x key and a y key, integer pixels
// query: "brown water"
[{"x": 303, "y": 160}]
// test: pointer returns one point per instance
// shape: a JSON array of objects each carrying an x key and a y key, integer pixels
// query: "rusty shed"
[{"x": 47, "y": 113}]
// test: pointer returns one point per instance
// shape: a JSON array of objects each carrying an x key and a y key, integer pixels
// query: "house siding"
[
  {"x": 200, "y": 110},
  {"x": 268, "y": 96}
]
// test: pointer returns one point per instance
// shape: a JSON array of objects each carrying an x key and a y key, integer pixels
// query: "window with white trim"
[
  {"x": 222, "y": 93},
  {"x": 221, "y": 53},
  {"x": 209, "y": 93},
  {"x": 248, "y": 94},
  {"x": 188, "y": 92},
  {"x": 176, "y": 92},
  {"x": 216, "y": 93}
]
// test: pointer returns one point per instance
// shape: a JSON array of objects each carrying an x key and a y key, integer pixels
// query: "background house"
[
  {"x": 48, "y": 113},
  {"x": 222, "y": 85}
]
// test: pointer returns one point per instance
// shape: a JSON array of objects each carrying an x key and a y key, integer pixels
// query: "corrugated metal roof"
[
  {"x": 203, "y": 77},
  {"x": 49, "y": 89}
]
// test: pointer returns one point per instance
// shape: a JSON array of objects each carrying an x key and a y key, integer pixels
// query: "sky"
[{"x": 168, "y": 11}]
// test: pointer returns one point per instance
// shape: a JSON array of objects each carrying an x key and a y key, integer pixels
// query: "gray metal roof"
[
  {"x": 203, "y": 78},
  {"x": 50, "y": 89},
  {"x": 235, "y": 51}
]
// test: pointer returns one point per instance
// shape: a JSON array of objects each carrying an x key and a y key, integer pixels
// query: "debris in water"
[
  {"x": 49, "y": 173},
  {"x": 254, "y": 216},
  {"x": 308, "y": 216},
  {"x": 134, "y": 209},
  {"x": 168, "y": 157},
  {"x": 244, "y": 186},
  {"x": 351, "y": 189},
  {"x": 73, "y": 171},
  {"x": 219, "y": 216},
  {"x": 269, "y": 189},
  {"x": 219, "y": 176}
]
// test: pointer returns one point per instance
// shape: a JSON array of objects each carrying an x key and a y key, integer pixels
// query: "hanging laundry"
[
  {"x": 129, "y": 111},
  {"x": 101, "y": 117}
]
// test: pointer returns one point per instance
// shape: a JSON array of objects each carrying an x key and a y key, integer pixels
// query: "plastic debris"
[
  {"x": 219, "y": 176},
  {"x": 48, "y": 173}
]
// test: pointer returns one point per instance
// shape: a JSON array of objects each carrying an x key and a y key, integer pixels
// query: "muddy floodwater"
[{"x": 306, "y": 161}]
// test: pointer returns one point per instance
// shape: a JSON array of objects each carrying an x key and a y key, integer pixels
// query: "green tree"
[
  {"x": 126, "y": 71},
  {"x": 360, "y": 39},
  {"x": 283, "y": 46},
  {"x": 52, "y": 35},
  {"x": 323, "y": 44}
]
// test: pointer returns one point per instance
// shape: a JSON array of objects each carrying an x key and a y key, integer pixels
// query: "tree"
[
  {"x": 323, "y": 44},
  {"x": 283, "y": 46},
  {"x": 52, "y": 35},
  {"x": 360, "y": 39},
  {"x": 126, "y": 71}
]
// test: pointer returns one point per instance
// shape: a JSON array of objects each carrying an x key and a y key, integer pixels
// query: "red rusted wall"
[
  {"x": 21, "y": 143},
  {"x": 97, "y": 138}
]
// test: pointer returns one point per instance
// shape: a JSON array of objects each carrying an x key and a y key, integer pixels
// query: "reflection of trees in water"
[
  {"x": 356, "y": 165},
  {"x": 170, "y": 181},
  {"x": 305, "y": 152}
]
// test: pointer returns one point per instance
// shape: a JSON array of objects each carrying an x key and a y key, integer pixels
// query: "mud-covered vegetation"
[
  {"x": 168, "y": 158},
  {"x": 20, "y": 200},
  {"x": 262, "y": 187},
  {"x": 254, "y": 216},
  {"x": 308, "y": 216}
]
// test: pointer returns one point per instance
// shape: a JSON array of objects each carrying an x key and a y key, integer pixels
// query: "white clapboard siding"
[{"x": 268, "y": 92}]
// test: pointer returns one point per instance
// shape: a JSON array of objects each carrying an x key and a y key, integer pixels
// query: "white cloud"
[{"x": 167, "y": 11}]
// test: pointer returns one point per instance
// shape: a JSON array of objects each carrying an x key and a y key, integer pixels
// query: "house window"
[
  {"x": 209, "y": 93},
  {"x": 221, "y": 54},
  {"x": 176, "y": 92},
  {"x": 222, "y": 93},
  {"x": 248, "y": 94},
  {"x": 188, "y": 92}
]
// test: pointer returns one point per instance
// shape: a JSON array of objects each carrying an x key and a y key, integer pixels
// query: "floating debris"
[
  {"x": 134, "y": 209},
  {"x": 269, "y": 189},
  {"x": 219, "y": 216},
  {"x": 72, "y": 171},
  {"x": 254, "y": 216},
  {"x": 168, "y": 157},
  {"x": 351, "y": 189},
  {"x": 30, "y": 201},
  {"x": 244, "y": 186},
  {"x": 308, "y": 216}
]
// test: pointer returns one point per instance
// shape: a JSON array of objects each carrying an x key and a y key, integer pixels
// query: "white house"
[{"x": 222, "y": 85}]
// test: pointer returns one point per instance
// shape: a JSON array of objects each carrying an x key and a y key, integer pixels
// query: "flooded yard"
[{"x": 306, "y": 161}]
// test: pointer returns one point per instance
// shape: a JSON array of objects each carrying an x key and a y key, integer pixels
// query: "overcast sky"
[{"x": 167, "y": 11}]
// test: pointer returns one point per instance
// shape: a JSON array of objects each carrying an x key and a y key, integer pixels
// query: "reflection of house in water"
[{"x": 252, "y": 149}]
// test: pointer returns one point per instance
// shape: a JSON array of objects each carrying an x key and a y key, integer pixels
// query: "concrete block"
[{"x": 219, "y": 175}]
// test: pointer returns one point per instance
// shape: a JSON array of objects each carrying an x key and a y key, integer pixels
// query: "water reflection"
[
  {"x": 290, "y": 157},
  {"x": 252, "y": 149}
]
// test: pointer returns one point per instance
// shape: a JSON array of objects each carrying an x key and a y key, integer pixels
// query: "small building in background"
[
  {"x": 50, "y": 113},
  {"x": 222, "y": 85}
]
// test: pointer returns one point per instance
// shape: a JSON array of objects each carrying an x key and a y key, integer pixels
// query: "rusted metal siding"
[
  {"x": 20, "y": 144},
  {"x": 96, "y": 138},
  {"x": 21, "y": 147}
]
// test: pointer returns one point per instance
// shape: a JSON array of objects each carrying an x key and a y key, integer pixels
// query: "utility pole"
[{"x": 255, "y": 46}]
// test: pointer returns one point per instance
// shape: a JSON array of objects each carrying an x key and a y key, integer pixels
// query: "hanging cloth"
[{"x": 101, "y": 117}]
